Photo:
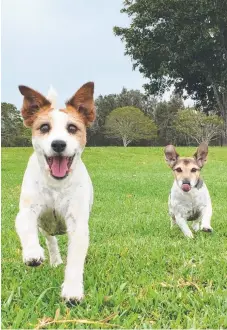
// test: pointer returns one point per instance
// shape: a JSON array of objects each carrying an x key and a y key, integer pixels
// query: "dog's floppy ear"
[
  {"x": 201, "y": 154},
  {"x": 83, "y": 102},
  {"x": 33, "y": 101},
  {"x": 171, "y": 155}
]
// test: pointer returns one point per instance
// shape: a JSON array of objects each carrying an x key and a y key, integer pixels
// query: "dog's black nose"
[
  {"x": 185, "y": 181},
  {"x": 58, "y": 145}
]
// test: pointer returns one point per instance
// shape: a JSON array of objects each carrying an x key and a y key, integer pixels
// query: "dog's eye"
[
  {"x": 45, "y": 128},
  {"x": 72, "y": 129},
  {"x": 178, "y": 169},
  {"x": 193, "y": 169}
]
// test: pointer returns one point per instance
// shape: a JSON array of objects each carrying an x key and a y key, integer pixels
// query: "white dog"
[
  {"x": 57, "y": 193},
  {"x": 189, "y": 199}
]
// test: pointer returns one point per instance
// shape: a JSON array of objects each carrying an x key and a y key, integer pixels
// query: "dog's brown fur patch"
[
  {"x": 83, "y": 102},
  {"x": 186, "y": 165},
  {"x": 78, "y": 120},
  {"x": 34, "y": 104},
  {"x": 43, "y": 117},
  {"x": 36, "y": 110}
]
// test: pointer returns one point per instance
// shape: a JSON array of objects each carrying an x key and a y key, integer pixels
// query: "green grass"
[{"x": 136, "y": 268}]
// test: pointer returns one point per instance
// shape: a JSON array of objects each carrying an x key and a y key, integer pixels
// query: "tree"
[
  {"x": 135, "y": 98},
  {"x": 198, "y": 126},
  {"x": 164, "y": 117},
  {"x": 129, "y": 124},
  {"x": 181, "y": 43},
  {"x": 13, "y": 132},
  {"x": 106, "y": 104}
]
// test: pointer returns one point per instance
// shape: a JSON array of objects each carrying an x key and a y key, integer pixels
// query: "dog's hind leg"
[
  {"x": 52, "y": 245},
  {"x": 195, "y": 225}
]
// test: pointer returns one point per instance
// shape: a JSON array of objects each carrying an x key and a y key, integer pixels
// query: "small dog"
[
  {"x": 57, "y": 193},
  {"x": 189, "y": 199}
]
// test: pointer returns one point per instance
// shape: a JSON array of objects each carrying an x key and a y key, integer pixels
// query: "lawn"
[{"x": 138, "y": 273}]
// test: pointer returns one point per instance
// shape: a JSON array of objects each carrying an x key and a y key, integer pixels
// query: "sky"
[{"x": 64, "y": 43}]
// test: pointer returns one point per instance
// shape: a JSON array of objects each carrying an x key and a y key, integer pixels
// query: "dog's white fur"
[
  {"x": 183, "y": 205},
  {"x": 56, "y": 206},
  {"x": 52, "y": 96},
  {"x": 194, "y": 204}
]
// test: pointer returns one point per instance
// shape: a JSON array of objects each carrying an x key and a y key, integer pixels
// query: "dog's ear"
[
  {"x": 171, "y": 155},
  {"x": 201, "y": 154},
  {"x": 33, "y": 102},
  {"x": 83, "y": 102}
]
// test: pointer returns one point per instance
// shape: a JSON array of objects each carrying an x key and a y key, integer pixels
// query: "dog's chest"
[
  {"x": 52, "y": 222},
  {"x": 187, "y": 206},
  {"x": 52, "y": 216}
]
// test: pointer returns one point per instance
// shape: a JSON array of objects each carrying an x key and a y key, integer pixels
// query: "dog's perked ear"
[
  {"x": 171, "y": 155},
  {"x": 201, "y": 154},
  {"x": 83, "y": 102},
  {"x": 33, "y": 102}
]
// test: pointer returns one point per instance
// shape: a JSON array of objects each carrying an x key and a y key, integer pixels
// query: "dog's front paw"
[
  {"x": 189, "y": 234},
  {"x": 34, "y": 256},
  {"x": 72, "y": 293},
  {"x": 206, "y": 228}
]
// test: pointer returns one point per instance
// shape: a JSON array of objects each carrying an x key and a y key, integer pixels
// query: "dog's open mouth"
[
  {"x": 59, "y": 166},
  {"x": 186, "y": 187}
]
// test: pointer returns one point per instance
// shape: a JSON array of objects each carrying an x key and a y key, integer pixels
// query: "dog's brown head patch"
[
  {"x": 201, "y": 154},
  {"x": 186, "y": 169},
  {"x": 171, "y": 156},
  {"x": 33, "y": 104},
  {"x": 83, "y": 102}
]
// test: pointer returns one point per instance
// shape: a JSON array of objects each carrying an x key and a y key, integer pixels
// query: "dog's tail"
[{"x": 52, "y": 96}]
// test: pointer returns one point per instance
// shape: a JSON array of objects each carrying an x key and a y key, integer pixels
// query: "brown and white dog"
[
  {"x": 57, "y": 194},
  {"x": 189, "y": 199}
]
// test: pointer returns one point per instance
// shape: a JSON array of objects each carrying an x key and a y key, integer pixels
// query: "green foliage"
[
  {"x": 129, "y": 124},
  {"x": 137, "y": 270},
  {"x": 198, "y": 126},
  {"x": 106, "y": 104},
  {"x": 183, "y": 43},
  {"x": 164, "y": 117},
  {"x": 13, "y": 131}
]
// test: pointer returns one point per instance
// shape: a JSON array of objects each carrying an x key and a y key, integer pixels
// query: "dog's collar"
[{"x": 199, "y": 184}]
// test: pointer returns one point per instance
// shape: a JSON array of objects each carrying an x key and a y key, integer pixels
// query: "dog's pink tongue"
[
  {"x": 59, "y": 167},
  {"x": 186, "y": 187}
]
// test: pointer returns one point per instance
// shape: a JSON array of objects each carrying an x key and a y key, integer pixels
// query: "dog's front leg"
[
  {"x": 27, "y": 229},
  {"x": 78, "y": 241},
  {"x": 182, "y": 223},
  {"x": 206, "y": 219}
]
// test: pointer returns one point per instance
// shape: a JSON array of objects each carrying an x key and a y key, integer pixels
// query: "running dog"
[
  {"x": 189, "y": 199},
  {"x": 57, "y": 194}
]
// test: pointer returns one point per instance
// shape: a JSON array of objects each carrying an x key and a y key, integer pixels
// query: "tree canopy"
[
  {"x": 164, "y": 116},
  {"x": 197, "y": 126},
  {"x": 107, "y": 103},
  {"x": 180, "y": 43},
  {"x": 13, "y": 132},
  {"x": 129, "y": 124}
]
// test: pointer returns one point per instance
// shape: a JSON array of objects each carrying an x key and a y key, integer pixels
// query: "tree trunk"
[
  {"x": 124, "y": 142},
  {"x": 221, "y": 99}
]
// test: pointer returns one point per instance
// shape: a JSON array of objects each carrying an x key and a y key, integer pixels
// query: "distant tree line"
[
  {"x": 182, "y": 44},
  {"x": 13, "y": 132},
  {"x": 131, "y": 118}
]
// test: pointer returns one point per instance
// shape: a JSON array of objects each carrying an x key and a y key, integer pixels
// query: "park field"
[{"x": 138, "y": 273}]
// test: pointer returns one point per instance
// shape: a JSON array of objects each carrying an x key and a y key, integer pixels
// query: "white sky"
[{"x": 64, "y": 43}]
